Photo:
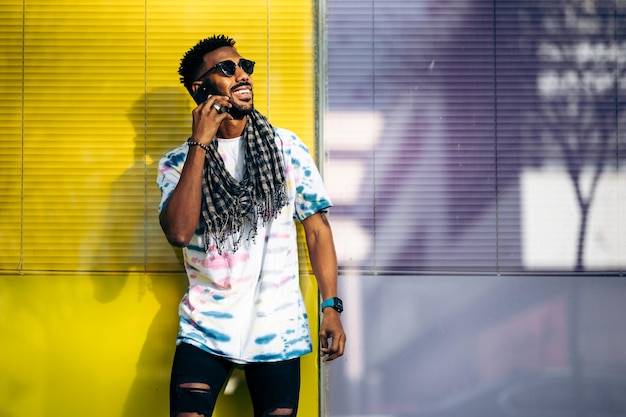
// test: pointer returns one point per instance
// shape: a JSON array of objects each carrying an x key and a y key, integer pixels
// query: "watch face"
[{"x": 338, "y": 305}]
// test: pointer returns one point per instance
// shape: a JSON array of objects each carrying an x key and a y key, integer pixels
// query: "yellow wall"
[{"x": 90, "y": 100}]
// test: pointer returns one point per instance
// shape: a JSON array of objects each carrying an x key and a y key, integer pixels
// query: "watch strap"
[{"x": 334, "y": 302}]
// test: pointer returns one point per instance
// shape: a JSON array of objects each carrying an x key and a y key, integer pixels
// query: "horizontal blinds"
[
  {"x": 291, "y": 77},
  {"x": 92, "y": 100},
  {"x": 462, "y": 118},
  {"x": 79, "y": 81},
  {"x": 11, "y": 133}
]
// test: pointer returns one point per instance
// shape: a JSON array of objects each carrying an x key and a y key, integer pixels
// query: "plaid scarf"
[{"x": 231, "y": 209}]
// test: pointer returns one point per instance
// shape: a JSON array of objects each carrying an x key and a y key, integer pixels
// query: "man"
[{"x": 229, "y": 198}]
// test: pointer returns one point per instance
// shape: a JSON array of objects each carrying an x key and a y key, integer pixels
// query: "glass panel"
[{"x": 476, "y": 159}]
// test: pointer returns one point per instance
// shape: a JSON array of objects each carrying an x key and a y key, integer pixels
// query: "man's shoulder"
[
  {"x": 176, "y": 156},
  {"x": 288, "y": 140},
  {"x": 285, "y": 135}
]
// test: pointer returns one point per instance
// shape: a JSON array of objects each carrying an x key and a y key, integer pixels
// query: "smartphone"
[{"x": 203, "y": 92}]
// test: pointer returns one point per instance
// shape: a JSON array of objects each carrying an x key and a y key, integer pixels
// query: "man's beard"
[{"x": 239, "y": 112}]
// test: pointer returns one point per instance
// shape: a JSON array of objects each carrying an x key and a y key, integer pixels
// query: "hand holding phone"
[{"x": 203, "y": 92}]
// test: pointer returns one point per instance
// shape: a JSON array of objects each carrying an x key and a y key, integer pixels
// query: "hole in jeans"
[
  {"x": 281, "y": 412},
  {"x": 196, "y": 387},
  {"x": 195, "y": 399}
]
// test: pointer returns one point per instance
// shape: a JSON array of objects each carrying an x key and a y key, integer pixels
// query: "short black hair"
[{"x": 193, "y": 59}]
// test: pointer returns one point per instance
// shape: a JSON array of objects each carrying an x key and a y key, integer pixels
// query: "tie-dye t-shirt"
[{"x": 247, "y": 305}]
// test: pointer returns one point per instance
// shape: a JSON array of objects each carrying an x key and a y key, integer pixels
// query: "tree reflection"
[{"x": 581, "y": 67}]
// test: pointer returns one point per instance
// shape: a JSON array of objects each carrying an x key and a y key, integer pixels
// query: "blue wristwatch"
[{"x": 334, "y": 303}]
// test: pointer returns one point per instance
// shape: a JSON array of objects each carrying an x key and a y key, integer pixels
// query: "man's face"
[{"x": 238, "y": 87}]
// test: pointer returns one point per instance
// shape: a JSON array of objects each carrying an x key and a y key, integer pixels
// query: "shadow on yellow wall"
[
  {"x": 131, "y": 217},
  {"x": 89, "y": 287}
]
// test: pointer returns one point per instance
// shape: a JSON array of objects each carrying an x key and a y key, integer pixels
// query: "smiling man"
[{"x": 230, "y": 197}]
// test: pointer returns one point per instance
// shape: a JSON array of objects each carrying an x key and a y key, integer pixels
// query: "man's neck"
[{"x": 232, "y": 128}]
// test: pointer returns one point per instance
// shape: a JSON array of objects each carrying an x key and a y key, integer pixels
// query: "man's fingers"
[
  {"x": 323, "y": 341},
  {"x": 335, "y": 349}
]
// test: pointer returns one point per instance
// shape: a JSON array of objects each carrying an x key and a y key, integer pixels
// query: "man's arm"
[
  {"x": 180, "y": 215},
  {"x": 179, "y": 218},
  {"x": 319, "y": 240}
]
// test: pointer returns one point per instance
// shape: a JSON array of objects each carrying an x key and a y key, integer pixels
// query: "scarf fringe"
[{"x": 231, "y": 210}]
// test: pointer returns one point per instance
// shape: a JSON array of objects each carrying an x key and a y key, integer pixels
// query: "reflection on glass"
[{"x": 477, "y": 151}]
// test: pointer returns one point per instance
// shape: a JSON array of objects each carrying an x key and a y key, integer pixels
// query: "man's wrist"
[
  {"x": 335, "y": 303},
  {"x": 191, "y": 142}
]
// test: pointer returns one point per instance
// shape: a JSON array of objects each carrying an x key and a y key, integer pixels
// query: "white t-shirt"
[{"x": 247, "y": 305}]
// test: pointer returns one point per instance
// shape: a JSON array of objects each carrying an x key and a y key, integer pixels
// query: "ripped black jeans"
[{"x": 198, "y": 376}]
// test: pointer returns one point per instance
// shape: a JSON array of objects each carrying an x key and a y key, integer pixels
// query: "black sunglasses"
[{"x": 230, "y": 67}]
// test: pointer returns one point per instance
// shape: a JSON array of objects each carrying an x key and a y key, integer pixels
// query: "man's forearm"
[
  {"x": 322, "y": 254},
  {"x": 179, "y": 218}
]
